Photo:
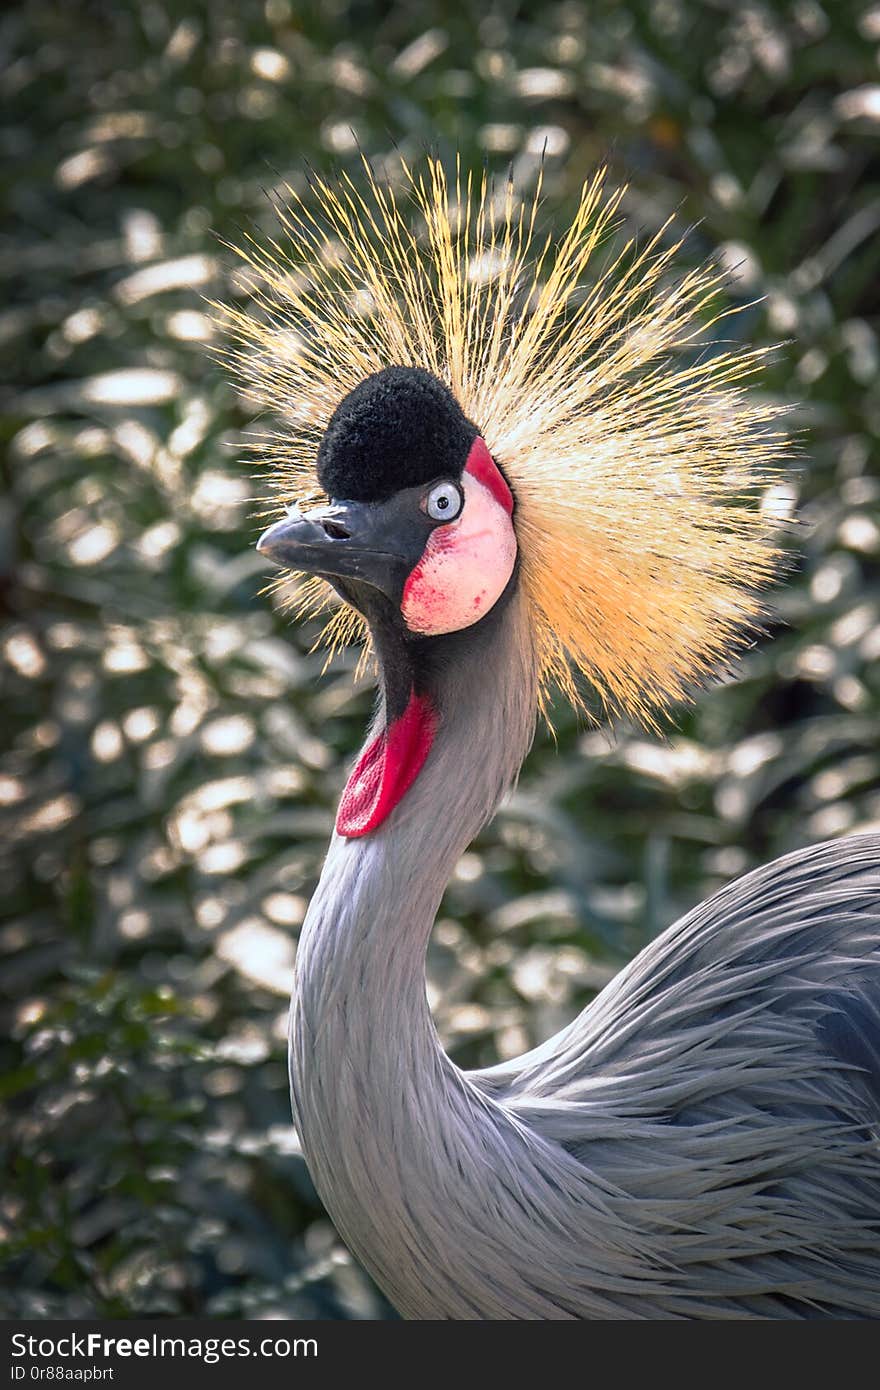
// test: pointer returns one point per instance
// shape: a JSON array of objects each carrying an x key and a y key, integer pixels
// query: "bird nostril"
[{"x": 335, "y": 530}]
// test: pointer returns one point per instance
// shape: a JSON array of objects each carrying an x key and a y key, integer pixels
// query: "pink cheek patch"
[{"x": 466, "y": 564}]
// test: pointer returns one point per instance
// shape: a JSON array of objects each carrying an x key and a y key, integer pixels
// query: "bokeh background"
[{"x": 170, "y": 758}]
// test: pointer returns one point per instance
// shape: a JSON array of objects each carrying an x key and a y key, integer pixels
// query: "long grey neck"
[{"x": 375, "y": 1097}]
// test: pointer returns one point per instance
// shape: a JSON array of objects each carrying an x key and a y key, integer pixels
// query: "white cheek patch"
[{"x": 465, "y": 566}]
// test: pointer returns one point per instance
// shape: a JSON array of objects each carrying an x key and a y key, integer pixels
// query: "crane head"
[
  {"x": 418, "y": 536},
  {"x": 419, "y": 510},
  {"x": 485, "y": 410}
]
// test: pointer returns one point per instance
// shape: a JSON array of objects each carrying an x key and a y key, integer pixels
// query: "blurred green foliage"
[{"x": 171, "y": 758}]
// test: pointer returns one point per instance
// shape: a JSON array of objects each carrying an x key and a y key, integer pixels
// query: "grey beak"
[
  {"x": 366, "y": 541},
  {"x": 290, "y": 541}
]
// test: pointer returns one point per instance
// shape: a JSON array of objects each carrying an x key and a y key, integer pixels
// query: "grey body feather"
[{"x": 702, "y": 1141}]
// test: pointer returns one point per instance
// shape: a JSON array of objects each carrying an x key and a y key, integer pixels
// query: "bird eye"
[{"x": 443, "y": 502}]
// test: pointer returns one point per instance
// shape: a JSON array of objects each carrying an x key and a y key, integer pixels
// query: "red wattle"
[{"x": 387, "y": 769}]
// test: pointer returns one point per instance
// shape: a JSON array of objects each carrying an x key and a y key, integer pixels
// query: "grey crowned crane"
[{"x": 525, "y": 482}]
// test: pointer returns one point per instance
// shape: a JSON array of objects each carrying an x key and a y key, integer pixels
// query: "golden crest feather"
[{"x": 637, "y": 476}]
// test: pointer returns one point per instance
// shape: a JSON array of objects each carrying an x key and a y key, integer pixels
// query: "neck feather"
[{"x": 374, "y": 1094}]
